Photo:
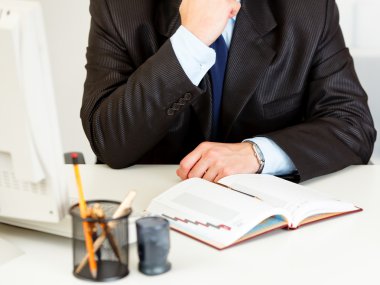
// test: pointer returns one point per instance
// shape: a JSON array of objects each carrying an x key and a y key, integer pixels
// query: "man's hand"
[
  {"x": 206, "y": 19},
  {"x": 213, "y": 161}
]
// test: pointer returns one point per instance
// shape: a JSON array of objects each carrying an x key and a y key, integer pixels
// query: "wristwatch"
[{"x": 259, "y": 155}]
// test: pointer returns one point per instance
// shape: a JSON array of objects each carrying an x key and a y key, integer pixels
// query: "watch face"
[{"x": 259, "y": 155}]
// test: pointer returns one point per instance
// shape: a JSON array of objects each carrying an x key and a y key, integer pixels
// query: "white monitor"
[{"x": 32, "y": 184}]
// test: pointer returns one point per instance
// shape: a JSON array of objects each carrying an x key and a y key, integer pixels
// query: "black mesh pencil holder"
[{"x": 109, "y": 239}]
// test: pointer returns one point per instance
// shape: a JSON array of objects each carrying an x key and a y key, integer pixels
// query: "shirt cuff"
[
  {"x": 195, "y": 57},
  {"x": 277, "y": 162}
]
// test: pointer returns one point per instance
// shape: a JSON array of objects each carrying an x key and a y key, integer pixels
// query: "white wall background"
[
  {"x": 67, "y": 24},
  {"x": 360, "y": 21}
]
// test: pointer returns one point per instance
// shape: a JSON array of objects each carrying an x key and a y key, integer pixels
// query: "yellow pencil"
[{"x": 83, "y": 213}]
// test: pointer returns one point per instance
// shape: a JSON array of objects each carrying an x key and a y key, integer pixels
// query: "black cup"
[{"x": 153, "y": 245}]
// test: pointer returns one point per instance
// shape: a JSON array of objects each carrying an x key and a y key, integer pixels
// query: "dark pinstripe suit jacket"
[{"x": 289, "y": 77}]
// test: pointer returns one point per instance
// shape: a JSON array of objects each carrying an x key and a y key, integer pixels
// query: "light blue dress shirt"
[{"x": 196, "y": 59}]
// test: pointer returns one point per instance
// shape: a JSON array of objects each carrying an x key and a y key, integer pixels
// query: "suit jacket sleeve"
[
  {"x": 338, "y": 129},
  {"x": 127, "y": 109}
]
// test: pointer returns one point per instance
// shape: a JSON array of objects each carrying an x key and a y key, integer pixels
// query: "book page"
[
  {"x": 301, "y": 202},
  {"x": 210, "y": 212}
]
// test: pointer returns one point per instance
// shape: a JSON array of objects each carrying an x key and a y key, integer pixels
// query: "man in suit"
[{"x": 290, "y": 102}]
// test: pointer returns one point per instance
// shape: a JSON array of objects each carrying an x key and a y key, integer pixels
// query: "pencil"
[
  {"x": 83, "y": 213},
  {"x": 123, "y": 209},
  {"x": 99, "y": 215}
]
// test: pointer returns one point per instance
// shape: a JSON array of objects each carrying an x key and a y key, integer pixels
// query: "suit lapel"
[{"x": 249, "y": 57}]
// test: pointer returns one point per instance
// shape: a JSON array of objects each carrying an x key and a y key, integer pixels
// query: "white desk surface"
[{"x": 345, "y": 250}]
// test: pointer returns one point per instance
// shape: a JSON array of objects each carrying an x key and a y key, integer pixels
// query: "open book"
[{"x": 242, "y": 206}]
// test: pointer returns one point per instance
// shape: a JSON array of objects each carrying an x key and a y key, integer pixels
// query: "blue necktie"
[{"x": 217, "y": 78}]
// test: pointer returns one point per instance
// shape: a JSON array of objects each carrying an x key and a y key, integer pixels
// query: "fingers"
[
  {"x": 206, "y": 19},
  {"x": 187, "y": 164},
  {"x": 202, "y": 168},
  {"x": 213, "y": 161},
  {"x": 199, "y": 169},
  {"x": 200, "y": 162},
  {"x": 211, "y": 174},
  {"x": 195, "y": 164}
]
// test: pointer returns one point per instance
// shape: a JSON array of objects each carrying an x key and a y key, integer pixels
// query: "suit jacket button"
[
  {"x": 170, "y": 112},
  {"x": 176, "y": 106},
  {"x": 187, "y": 96}
]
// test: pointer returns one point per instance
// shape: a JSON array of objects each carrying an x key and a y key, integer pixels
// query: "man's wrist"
[{"x": 277, "y": 162}]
